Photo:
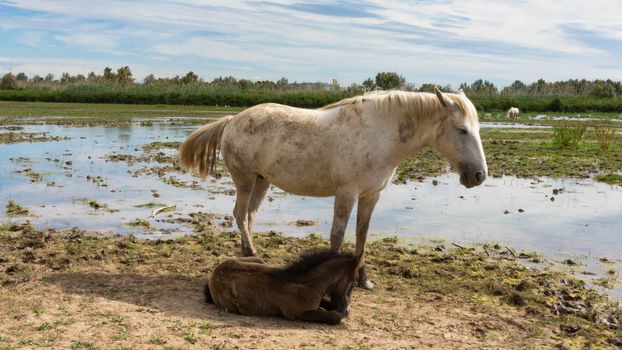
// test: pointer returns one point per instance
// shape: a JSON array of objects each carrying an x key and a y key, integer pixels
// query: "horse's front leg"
[
  {"x": 366, "y": 206},
  {"x": 320, "y": 316},
  {"x": 344, "y": 201}
]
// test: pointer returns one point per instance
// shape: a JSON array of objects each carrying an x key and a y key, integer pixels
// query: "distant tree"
[
  {"x": 190, "y": 78},
  {"x": 409, "y": 87},
  {"x": 245, "y": 84},
  {"x": 8, "y": 82},
  {"x": 109, "y": 75},
  {"x": 355, "y": 89},
  {"x": 65, "y": 78},
  {"x": 150, "y": 79},
  {"x": 282, "y": 83},
  {"x": 79, "y": 78},
  {"x": 124, "y": 75},
  {"x": 91, "y": 77},
  {"x": 265, "y": 85},
  {"x": 37, "y": 79},
  {"x": 516, "y": 88},
  {"x": 368, "y": 84},
  {"x": 225, "y": 81},
  {"x": 603, "y": 90},
  {"x": 517, "y": 85},
  {"x": 21, "y": 76},
  {"x": 427, "y": 87},
  {"x": 389, "y": 80},
  {"x": 479, "y": 87},
  {"x": 49, "y": 78}
]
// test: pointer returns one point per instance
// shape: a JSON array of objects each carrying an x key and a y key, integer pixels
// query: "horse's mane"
[
  {"x": 420, "y": 104},
  {"x": 308, "y": 260}
]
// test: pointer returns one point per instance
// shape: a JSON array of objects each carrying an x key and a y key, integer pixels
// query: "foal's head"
[
  {"x": 334, "y": 274},
  {"x": 458, "y": 138},
  {"x": 342, "y": 291}
]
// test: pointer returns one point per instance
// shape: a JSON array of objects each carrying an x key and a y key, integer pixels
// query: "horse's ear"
[
  {"x": 443, "y": 99},
  {"x": 461, "y": 92}
]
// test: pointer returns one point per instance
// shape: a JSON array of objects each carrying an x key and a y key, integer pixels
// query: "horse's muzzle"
[{"x": 472, "y": 178}]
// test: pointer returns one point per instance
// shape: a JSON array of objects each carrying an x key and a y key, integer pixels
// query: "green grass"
[
  {"x": 142, "y": 223},
  {"x": 160, "y": 144},
  {"x": 525, "y": 153},
  {"x": 568, "y": 135},
  {"x": 191, "y": 94},
  {"x": 202, "y": 94},
  {"x": 96, "y": 110},
  {"x": 14, "y": 209},
  {"x": 612, "y": 179}
]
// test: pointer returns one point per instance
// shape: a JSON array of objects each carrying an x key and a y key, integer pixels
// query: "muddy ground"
[{"x": 81, "y": 290}]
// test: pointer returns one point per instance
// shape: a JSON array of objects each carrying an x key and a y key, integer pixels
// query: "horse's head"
[
  {"x": 458, "y": 138},
  {"x": 341, "y": 294}
]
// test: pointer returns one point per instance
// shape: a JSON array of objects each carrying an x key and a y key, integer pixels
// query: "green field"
[{"x": 202, "y": 94}]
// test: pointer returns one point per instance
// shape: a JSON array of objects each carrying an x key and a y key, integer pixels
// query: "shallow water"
[{"x": 583, "y": 222}]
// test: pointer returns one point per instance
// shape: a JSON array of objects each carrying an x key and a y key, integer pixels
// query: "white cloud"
[{"x": 441, "y": 41}]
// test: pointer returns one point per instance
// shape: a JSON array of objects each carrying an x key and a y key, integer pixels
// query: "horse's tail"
[
  {"x": 200, "y": 150},
  {"x": 208, "y": 294}
]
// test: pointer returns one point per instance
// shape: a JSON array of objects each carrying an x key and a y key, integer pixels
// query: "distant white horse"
[
  {"x": 349, "y": 150},
  {"x": 513, "y": 113}
]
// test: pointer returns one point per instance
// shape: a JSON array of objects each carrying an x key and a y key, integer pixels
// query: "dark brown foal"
[{"x": 250, "y": 287}]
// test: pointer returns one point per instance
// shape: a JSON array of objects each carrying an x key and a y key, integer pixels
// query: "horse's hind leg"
[
  {"x": 366, "y": 206},
  {"x": 259, "y": 193},
  {"x": 244, "y": 186}
]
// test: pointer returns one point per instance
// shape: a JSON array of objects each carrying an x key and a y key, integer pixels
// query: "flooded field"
[{"x": 112, "y": 178}]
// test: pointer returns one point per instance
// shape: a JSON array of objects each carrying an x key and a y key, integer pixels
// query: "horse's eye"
[{"x": 462, "y": 131}]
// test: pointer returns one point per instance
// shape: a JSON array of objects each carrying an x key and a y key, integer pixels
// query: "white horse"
[
  {"x": 349, "y": 150},
  {"x": 512, "y": 113}
]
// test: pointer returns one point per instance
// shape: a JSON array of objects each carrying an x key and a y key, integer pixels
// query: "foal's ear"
[{"x": 443, "y": 99}]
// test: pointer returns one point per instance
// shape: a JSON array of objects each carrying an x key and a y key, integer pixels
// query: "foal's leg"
[
  {"x": 259, "y": 193},
  {"x": 344, "y": 201},
  {"x": 251, "y": 259},
  {"x": 366, "y": 206},
  {"x": 320, "y": 316},
  {"x": 244, "y": 186}
]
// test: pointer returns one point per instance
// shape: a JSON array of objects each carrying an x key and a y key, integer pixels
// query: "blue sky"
[{"x": 440, "y": 41}]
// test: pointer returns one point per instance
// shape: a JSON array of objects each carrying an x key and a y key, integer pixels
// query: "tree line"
[{"x": 382, "y": 81}]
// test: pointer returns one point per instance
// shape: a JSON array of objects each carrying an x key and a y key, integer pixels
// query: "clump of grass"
[
  {"x": 612, "y": 179},
  {"x": 14, "y": 209},
  {"x": 567, "y": 135},
  {"x": 142, "y": 223},
  {"x": 190, "y": 337},
  {"x": 161, "y": 144},
  {"x": 97, "y": 206},
  {"x": 155, "y": 340},
  {"x": 605, "y": 136}
]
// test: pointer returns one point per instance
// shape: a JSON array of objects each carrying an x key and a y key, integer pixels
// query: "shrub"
[
  {"x": 605, "y": 136},
  {"x": 8, "y": 82},
  {"x": 567, "y": 136}
]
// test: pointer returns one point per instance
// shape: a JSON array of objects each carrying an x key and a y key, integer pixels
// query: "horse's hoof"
[
  {"x": 367, "y": 284},
  {"x": 249, "y": 252}
]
